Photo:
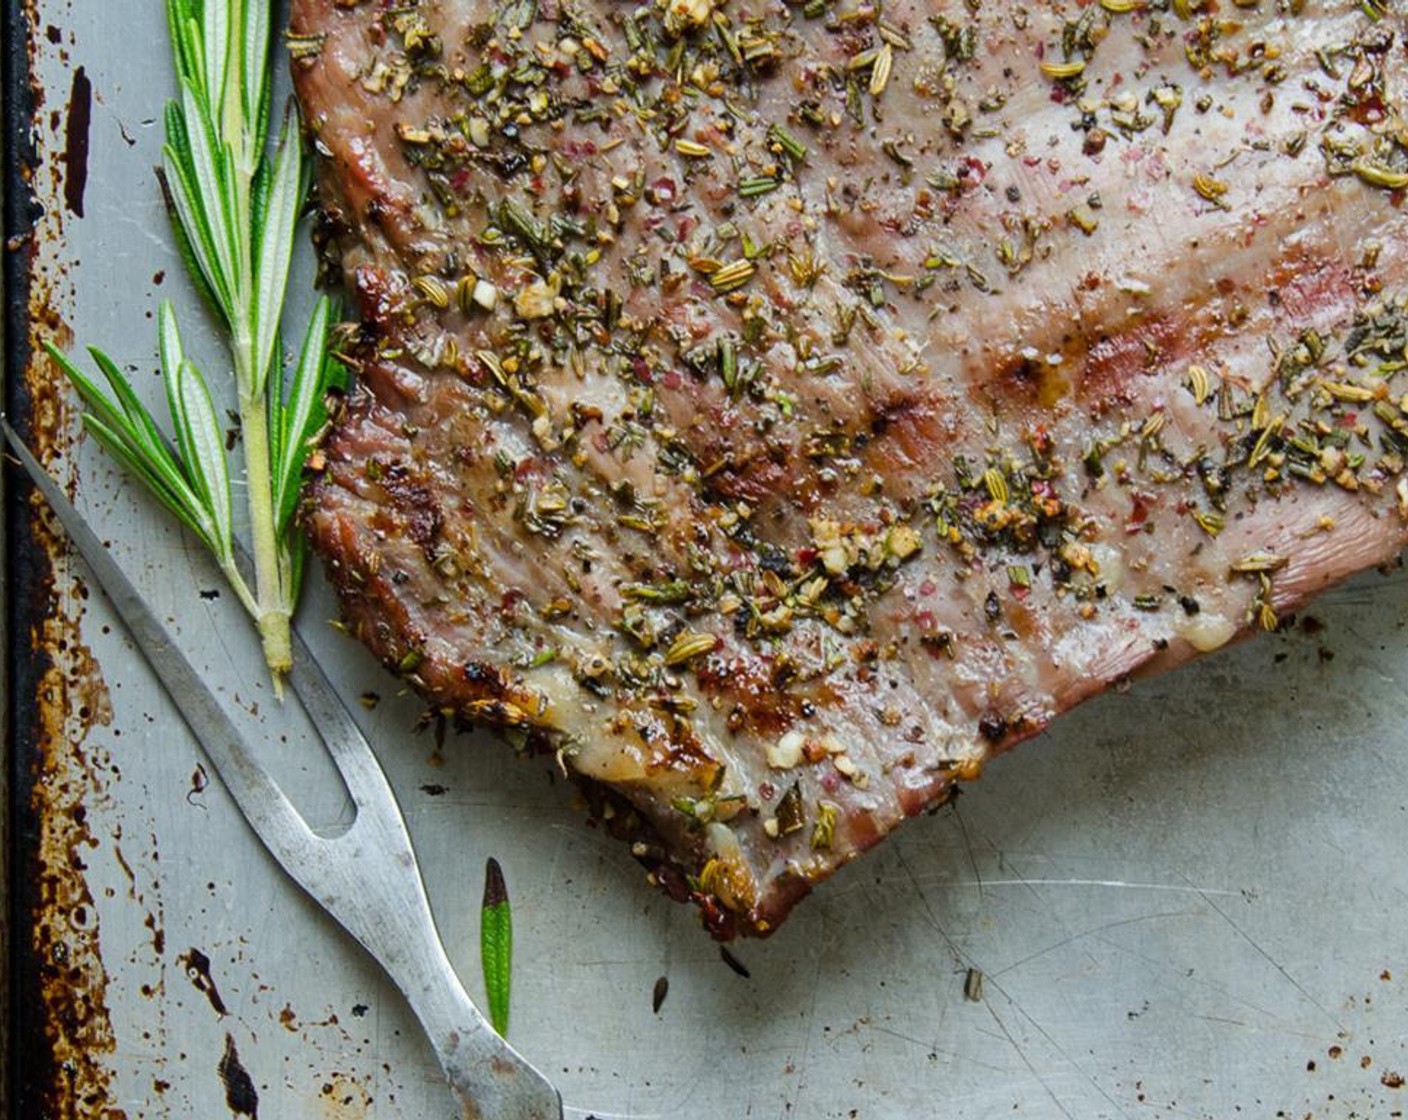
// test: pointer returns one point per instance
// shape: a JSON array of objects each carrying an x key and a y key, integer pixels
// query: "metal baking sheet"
[{"x": 1189, "y": 899}]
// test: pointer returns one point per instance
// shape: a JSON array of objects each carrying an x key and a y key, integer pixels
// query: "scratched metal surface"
[{"x": 1187, "y": 900}]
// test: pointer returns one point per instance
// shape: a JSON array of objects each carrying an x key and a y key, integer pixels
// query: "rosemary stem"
[
  {"x": 237, "y": 582},
  {"x": 273, "y": 606}
]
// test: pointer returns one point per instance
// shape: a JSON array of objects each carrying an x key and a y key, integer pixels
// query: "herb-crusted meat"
[{"x": 777, "y": 408}]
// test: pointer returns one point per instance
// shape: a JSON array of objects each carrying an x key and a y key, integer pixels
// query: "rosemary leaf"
[
  {"x": 188, "y": 216},
  {"x": 203, "y": 451},
  {"x": 134, "y": 413},
  {"x": 126, "y": 430},
  {"x": 303, "y": 416},
  {"x": 168, "y": 488},
  {"x": 216, "y": 37},
  {"x": 256, "y": 66},
  {"x": 206, "y": 172},
  {"x": 99, "y": 407},
  {"x": 169, "y": 345},
  {"x": 280, "y": 210},
  {"x": 496, "y": 945}
]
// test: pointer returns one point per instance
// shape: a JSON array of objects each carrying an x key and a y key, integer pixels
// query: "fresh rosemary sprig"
[{"x": 234, "y": 204}]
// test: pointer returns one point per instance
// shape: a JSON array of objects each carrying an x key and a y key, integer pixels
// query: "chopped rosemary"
[
  {"x": 788, "y": 143},
  {"x": 732, "y": 276},
  {"x": 824, "y": 831},
  {"x": 752, "y": 188},
  {"x": 1064, "y": 70}
]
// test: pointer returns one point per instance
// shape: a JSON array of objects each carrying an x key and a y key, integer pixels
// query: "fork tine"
[
  {"x": 334, "y": 724},
  {"x": 263, "y": 803}
]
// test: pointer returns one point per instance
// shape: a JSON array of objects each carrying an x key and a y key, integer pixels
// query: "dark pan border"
[{"x": 28, "y": 1065}]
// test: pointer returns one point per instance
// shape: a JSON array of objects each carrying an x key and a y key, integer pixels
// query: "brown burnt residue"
[
  {"x": 240, "y": 1095},
  {"x": 343, "y": 1098},
  {"x": 197, "y": 966},
  {"x": 80, "y": 121},
  {"x": 67, "y": 1030},
  {"x": 64, "y": 936}
]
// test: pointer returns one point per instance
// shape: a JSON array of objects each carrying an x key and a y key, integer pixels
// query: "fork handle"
[{"x": 490, "y": 1080}]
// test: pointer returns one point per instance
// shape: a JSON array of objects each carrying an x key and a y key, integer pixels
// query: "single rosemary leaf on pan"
[{"x": 496, "y": 945}]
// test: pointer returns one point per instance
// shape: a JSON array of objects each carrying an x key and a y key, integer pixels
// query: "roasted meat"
[{"x": 777, "y": 408}]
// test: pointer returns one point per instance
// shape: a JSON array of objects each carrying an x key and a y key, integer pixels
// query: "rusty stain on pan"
[{"x": 61, "y": 1027}]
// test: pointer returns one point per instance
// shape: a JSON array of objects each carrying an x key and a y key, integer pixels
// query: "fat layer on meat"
[{"x": 775, "y": 409}]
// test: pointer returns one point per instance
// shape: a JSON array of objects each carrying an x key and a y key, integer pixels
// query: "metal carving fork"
[{"x": 366, "y": 877}]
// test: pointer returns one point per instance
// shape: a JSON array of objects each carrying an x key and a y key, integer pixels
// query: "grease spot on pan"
[
  {"x": 344, "y": 1099},
  {"x": 80, "y": 121},
  {"x": 197, "y": 966},
  {"x": 240, "y": 1095}
]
